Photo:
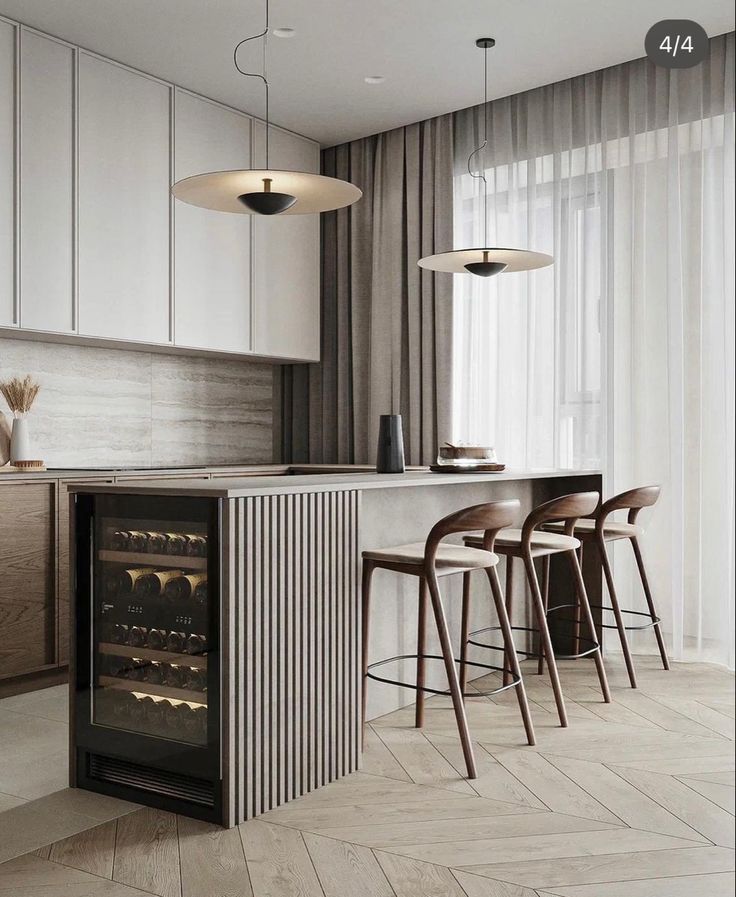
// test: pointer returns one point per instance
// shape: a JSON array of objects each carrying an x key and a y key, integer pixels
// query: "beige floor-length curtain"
[{"x": 386, "y": 323}]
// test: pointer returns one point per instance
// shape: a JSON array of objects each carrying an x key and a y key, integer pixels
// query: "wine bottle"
[
  {"x": 173, "y": 716},
  {"x": 123, "y": 705},
  {"x": 117, "y": 633},
  {"x": 123, "y": 582},
  {"x": 157, "y": 639},
  {"x": 173, "y": 675},
  {"x": 196, "y": 545},
  {"x": 136, "y": 669},
  {"x": 175, "y": 642},
  {"x": 195, "y": 679},
  {"x": 200, "y": 593},
  {"x": 151, "y": 584},
  {"x": 199, "y": 721},
  {"x": 110, "y": 665},
  {"x": 137, "y": 540},
  {"x": 156, "y": 543},
  {"x": 196, "y": 644},
  {"x": 137, "y": 711},
  {"x": 176, "y": 543},
  {"x": 183, "y": 587},
  {"x": 119, "y": 540},
  {"x": 137, "y": 637},
  {"x": 155, "y": 713},
  {"x": 155, "y": 673}
]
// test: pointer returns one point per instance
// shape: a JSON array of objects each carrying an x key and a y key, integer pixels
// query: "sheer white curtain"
[{"x": 621, "y": 356}]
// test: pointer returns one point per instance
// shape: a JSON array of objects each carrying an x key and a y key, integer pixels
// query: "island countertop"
[{"x": 327, "y": 481}]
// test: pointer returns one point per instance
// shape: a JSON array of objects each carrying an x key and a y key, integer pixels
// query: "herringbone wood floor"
[{"x": 635, "y": 799}]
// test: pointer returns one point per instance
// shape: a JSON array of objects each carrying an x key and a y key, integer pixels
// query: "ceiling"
[{"x": 423, "y": 48}]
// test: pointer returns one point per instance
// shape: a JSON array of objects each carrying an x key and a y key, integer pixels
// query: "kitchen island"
[{"x": 281, "y": 707}]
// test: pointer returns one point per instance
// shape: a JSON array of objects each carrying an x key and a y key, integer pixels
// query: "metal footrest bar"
[
  {"x": 652, "y": 621},
  {"x": 594, "y": 645},
  {"x": 515, "y": 680},
  {"x": 499, "y": 647}
]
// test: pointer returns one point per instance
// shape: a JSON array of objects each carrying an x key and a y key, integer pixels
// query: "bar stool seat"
[
  {"x": 541, "y": 542},
  {"x": 612, "y": 529},
  {"x": 449, "y": 558}
]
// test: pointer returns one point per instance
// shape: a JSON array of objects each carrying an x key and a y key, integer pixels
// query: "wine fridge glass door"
[{"x": 152, "y": 632}]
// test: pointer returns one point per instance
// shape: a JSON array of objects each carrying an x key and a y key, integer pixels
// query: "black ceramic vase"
[{"x": 390, "y": 458}]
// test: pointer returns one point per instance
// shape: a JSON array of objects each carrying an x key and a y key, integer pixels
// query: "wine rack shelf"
[
  {"x": 199, "y": 661},
  {"x": 156, "y": 691},
  {"x": 153, "y": 560}
]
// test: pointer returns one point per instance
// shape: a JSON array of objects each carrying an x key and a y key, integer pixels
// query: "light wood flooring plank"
[
  {"x": 696, "y": 811},
  {"x": 494, "y": 780},
  {"x": 717, "y": 778},
  {"x": 619, "y": 750},
  {"x": 718, "y": 885},
  {"x": 31, "y": 871},
  {"x": 212, "y": 860},
  {"x": 624, "y": 799},
  {"x": 278, "y": 861},
  {"x": 710, "y": 719},
  {"x": 391, "y": 836},
  {"x": 410, "y": 878},
  {"x": 377, "y": 759},
  {"x": 147, "y": 852},
  {"x": 558, "y": 791},
  {"x": 648, "y": 864},
  {"x": 346, "y": 868},
  {"x": 478, "y": 886},
  {"x": 723, "y": 796},
  {"x": 92, "y": 850},
  {"x": 445, "y": 807},
  {"x": 361, "y": 788},
  {"x": 483, "y": 853},
  {"x": 424, "y": 763},
  {"x": 718, "y": 765},
  {"x": 667, "y": 717}
]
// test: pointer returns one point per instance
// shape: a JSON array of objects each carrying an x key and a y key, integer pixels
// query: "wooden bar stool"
[
  {"x": 597, "y": 530},
  {"x": 428, "y": 561},
  {"x": 529, "y": 543}
]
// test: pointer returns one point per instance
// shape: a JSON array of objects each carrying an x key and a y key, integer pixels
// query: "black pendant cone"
[
  {"x": 267, "y": 203},
  {"x": 485, "y": 269}
]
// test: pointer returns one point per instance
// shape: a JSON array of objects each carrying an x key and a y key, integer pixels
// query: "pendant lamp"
[
  {"x": 485, "y": 261},
  {"x": 265, "y": 191}
]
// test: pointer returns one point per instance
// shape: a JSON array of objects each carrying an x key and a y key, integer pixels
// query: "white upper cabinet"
[
  {"x": 124, "y": 172},
  {"x": 8, "y": 315},
  {"x": 286, "y": 258},
  {"x": 212, "y": 250},
  {"x": 46, "y": 184}
]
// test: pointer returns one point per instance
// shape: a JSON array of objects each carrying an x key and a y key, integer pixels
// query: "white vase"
[{"x": 20, "y": 442}]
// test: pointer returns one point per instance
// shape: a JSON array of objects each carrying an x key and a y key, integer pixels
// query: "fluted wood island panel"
[{"x": 291, "y": 624}]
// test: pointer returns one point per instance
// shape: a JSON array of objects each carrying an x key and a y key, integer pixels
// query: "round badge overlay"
[{"x": 676, "y": 43}]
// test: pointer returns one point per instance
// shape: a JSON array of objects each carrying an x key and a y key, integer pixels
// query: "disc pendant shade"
[
  {"x": 265, "y": 191},
  {"x": 289, "y": 193},
  {"x": 485, "y": 261}
]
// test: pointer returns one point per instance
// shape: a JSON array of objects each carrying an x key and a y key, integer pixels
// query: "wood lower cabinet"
[{"x": 28, "y": 613}]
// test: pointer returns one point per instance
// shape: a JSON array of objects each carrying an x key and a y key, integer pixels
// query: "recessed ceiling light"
[
  {"x": 374, "y": 79},
  {"x": 284, "y": 32}
]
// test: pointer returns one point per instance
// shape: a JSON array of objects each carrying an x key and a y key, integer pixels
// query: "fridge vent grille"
[{"x": 145, "y": 778}]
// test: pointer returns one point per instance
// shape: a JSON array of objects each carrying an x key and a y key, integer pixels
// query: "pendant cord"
[
  {"x": 481, "y": 175},
  {"x": 262, "y": 76}
]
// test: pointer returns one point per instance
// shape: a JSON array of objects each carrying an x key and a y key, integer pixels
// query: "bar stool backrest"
[
  {"x": 568, "y": 508},
  {"x": 490, "y": 517},
  {"x": 632, "y": 500}
]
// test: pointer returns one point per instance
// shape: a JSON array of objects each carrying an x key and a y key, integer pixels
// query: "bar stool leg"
[
  {"x": 509, "y": 605},
  {"x": 464, "y": 633},
  {"x": 546, "y": 641},
  {"x": 545, "y": 598},
  {"x": 628, "y": 659},
  {"x": 451, "y": 670},
  {"x": 578, "y": 610},
  {"x": 583, "y": 599},
  {"x": 421, "y": 649},
  {"x": 513, "y": 660},
  {"x": 650, "y": 602},
  {"x": 366, "y": 615}
]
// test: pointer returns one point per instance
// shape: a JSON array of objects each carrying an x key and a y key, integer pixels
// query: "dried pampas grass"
[{"x": 20, "y": 394}]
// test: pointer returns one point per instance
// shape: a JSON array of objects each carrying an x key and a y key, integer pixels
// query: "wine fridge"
[{"x": 147, "y": 650}]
